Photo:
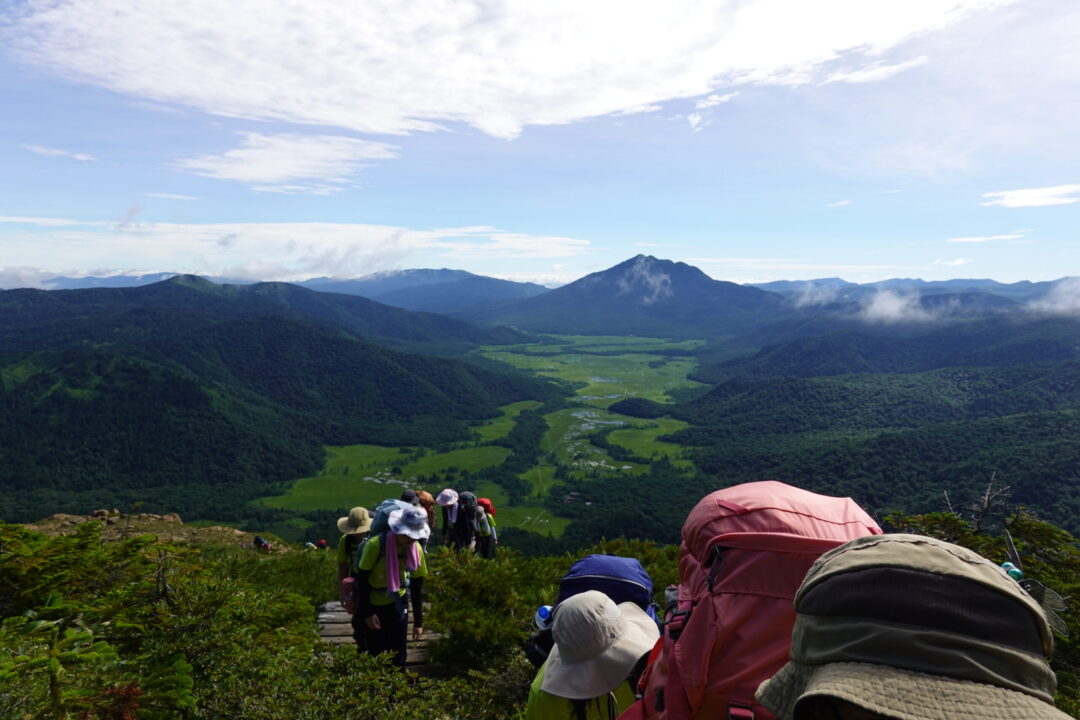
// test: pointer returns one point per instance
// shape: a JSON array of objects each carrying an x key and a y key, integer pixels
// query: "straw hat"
[
  {"x": 597, "y": 644},
  {"x": 357, "y": 521},
  {"x": 916, "y": 629}
]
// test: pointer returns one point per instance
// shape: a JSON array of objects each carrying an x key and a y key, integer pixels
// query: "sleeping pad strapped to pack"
[{"x": 744, "y": 552}]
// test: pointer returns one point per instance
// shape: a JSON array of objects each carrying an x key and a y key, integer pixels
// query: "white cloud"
[
  {"x": 290, "y": 163},
  {"x": 697, "y": 121},
  {"x": 714, "y": 100},
  {"x": 268, "y": 251},
  {"x": 1063, "y": 298},
  {"x": 875, "y": 72},
  {"x": 495, "y": 66},
  {"x": 952, "y": 262},
  {"x": 886, "y": 306},
  {"x": 984, "y": 238},
  {"x": 169, "y": 196},
  {"x": 839, "y": 203},
  {"x": 24, "y": 277},
  {"x": 57, "y": 152},
  {"x": 812, "y": 294},
  {"x": 1034, "y": 197},
  {"x": 40, "y": 221}
]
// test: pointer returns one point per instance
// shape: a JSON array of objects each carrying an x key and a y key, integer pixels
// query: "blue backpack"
[
  {"x": 380, "y": 522},
  {"x": 620, "y": 578}
]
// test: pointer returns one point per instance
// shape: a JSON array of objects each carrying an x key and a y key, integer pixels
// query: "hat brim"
[
  {"x": 901, "y": 694},
  {"x": 345, "y": 528},
  {"x": 400, "y": 528},
  {"x": 602, "y": 674},
  {"x": 446, "y": 500}
]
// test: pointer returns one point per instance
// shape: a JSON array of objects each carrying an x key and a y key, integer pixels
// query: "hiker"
[
  {"x": 599, "y": 649},
  {"x": 322, "y": 544},
  {"x": 392, "y": 567},
  {"x": 410, "y": 496},
  {"x": 470, "y": 520},
  {"x": 622, "y": 579},
  {"x": 354, "y": 529},
  {"x": 428, "y": 503},
  {"x": 458, "y": 528},
  {"x": 906, "y": 626},
  {"x": 486, "y": 537}
]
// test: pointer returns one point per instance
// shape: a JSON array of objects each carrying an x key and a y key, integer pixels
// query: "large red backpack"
[{"x": 744, "y": 552}]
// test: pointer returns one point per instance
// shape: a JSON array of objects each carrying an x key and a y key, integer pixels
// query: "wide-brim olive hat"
[
  {"x": 357, "y": 521},
  {"x": 916, "y": 629}
]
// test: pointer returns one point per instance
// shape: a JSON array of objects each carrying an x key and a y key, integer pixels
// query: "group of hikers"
[
  {"x": 795, "y": 606},
  {"x": 790, "y": 605},
  {"x": 382, "y": 560}
]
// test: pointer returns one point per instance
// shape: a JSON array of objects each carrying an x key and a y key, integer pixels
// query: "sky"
[{"x": 758, "y": 140}]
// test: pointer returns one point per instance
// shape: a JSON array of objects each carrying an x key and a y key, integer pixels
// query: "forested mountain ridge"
[
  {"x": 39, "y": 319},
  {"x": 184, "y": 402},
  {"x": 442, "y": 291},
  {"x": 913, "y": 347}
]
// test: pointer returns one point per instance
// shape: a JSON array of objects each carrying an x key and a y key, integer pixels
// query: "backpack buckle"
[
  {"x": 675, "y": 623},
  {"x": 740, "y": 712}
]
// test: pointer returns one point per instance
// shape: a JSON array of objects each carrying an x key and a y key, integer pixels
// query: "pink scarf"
[{"x": 393, "y": 574}]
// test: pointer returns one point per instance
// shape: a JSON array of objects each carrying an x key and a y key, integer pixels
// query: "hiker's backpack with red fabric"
[{"x": 744, "y": 552}]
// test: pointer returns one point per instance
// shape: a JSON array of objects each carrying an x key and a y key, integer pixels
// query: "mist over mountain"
[{"x": 829, "y": 290}]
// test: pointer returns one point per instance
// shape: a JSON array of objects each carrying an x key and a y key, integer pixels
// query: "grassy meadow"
[{"x": 604, "y": 370}]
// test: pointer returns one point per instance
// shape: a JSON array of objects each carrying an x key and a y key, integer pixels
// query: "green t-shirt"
[
  {"x": 344, "y": 553},
  {"x": 545, "y": 706},
  {"x": 370, "y": 560}
]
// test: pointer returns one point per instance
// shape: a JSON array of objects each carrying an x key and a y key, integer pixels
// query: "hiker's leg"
[
  {"x": 398, "y": 629},
  {"x": 379, "y": 641},
  {"x": 358, "y": 630}
]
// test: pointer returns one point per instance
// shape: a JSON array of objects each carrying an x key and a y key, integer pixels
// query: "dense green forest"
[
  {"x": 142, "y": 628},
  {"x": 200, "y": 422}
]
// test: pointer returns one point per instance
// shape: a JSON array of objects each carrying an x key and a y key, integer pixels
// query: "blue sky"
[{"x": 757, "y": 139}]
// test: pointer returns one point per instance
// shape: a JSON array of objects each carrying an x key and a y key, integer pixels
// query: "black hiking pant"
[
  {"x": 484, "y": 546},
  {"x": 358, "y": 631},
  {"x": 393, "y": 635}
]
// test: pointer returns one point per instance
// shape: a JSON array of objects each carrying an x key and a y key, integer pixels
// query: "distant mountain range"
[
  {"x": 40, "y": 319},
  {"x": 442, "y": 291},
  {"x": 649, "y": 296},
  {"x": 821, "y": 291}
]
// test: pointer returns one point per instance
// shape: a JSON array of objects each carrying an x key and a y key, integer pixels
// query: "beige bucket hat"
[
  {"x": 357, "y": 521},
  {"x": 915, "y": 628},
  {"x": 597, "y": 644}
]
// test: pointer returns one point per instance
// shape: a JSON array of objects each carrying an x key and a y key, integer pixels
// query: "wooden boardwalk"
[{"x": 335, "y": 628}]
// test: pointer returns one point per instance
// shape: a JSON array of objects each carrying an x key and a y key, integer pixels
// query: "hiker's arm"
[{"x": 364, "y": 607}]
